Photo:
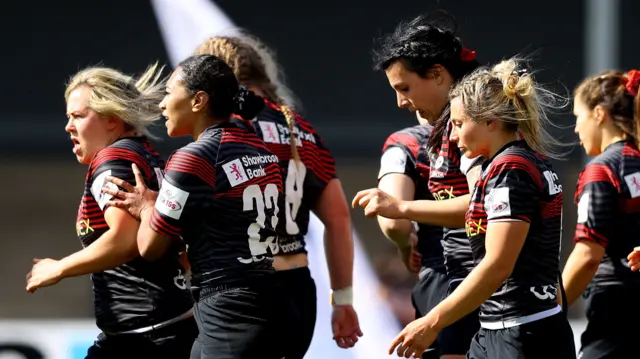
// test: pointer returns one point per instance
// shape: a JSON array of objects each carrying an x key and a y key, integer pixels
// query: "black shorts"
[
  {"x": 430, "y": 289},
  {"x": 238, "y": 322},
  {"x": 610, "y": 310},
  {"x": 456, "y": 338},
  {"x": 550, "y": 337},
  {"x": 296, "y": 286},
  {"x": 173, "y": 341}
]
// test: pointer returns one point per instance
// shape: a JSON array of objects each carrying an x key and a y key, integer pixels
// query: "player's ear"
[
  {"x": 111, "y": 122},
  {"x": 200, "y": 101}
]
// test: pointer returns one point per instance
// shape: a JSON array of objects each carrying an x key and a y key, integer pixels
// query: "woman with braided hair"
[{"x": 311, "y": 184}]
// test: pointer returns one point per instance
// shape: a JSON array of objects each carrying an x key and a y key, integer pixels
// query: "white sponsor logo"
[
  {"x": 439, "y": 162},
  {"x": 552, "y": 178},
  {"x": 583, "y": 207},
  {"x": 171, "y": 200},
  {"x": 259, "y": 160},
  {"x": 235, "y": 172},
  {"x": 96, "y": 188},
  {"x": 270, "y": 133},
  {"x": 548, "y": 292},
  {"x": 497, "y": 204},
  {"x": 394, "y": 160},
  {"x": 633, "y": 182}
]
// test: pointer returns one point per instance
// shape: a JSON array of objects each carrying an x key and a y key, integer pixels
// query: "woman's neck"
[
  {"x": 610, "y": 137},
  {"x": 203, "y": 124},
  {"x": 502, "y": 139}
]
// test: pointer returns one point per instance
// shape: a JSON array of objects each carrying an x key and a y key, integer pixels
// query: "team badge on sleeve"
[
  {"x": 96, "y": 188},
  {"x": 583, "y": 207},
  {"x": 394, "y": 160},
  {"x": 171, "y": 200},
  {"x": 497, "y": 203}
]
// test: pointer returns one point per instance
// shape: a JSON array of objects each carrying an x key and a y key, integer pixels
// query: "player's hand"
[
  {"x": 378, "y": 203},
  {"x": 133, "y": 199},
  {"x": 44, "y": 273},
  {"x": 634, "y": 259},
  {"x": 415, "y": 338},
  {"x": 410, "y": 256},
  {"x": 345, "y": 325}
]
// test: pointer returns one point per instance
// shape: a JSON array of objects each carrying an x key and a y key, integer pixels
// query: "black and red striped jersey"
[
  {"x": 304, "y": 181},
  {"x": 400, "y": 154},
  {"x": 518, "y": 184},
  {"x": 446, "y": 181},
  {"x": 608, "y": 199},
  {"x": 139, "y": 293},
  {"x": 221, "y": 194}
]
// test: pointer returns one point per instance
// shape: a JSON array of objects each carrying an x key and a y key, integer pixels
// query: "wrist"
[
  {"x": 342, "y": 296},
  {"x": 404, "y": 208},
  {"x": 434, "y": 319}
]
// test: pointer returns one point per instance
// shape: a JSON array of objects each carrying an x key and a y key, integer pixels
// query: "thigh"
[
  {"x": 176, "y": 340},
  {"x": 296, "y": 289},
  {"x": 232, "y": 324},
  {"x": 456, "y": 338},
  {"x": 125, "y": 346},
  {"x": 609, "y": 311}
]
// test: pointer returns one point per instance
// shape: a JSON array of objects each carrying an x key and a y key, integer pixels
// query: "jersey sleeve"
[
  {"x": 188, "y": 181},
  {"x": 467, "y": 163},
  {"x": 597, "y": 199},
  {"x": 116, "y": 162},
  {"x": 513, "y": 191},
  {"x": 321, "y": 173},
  {"x": 399, "y": 156}
]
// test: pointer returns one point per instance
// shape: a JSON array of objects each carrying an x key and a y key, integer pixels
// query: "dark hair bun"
[{"x": 247, "y": 103}]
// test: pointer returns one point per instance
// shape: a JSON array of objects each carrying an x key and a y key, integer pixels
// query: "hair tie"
[
  {"x": 633, "y": 81},
  {"x": 467, "y": 55}
]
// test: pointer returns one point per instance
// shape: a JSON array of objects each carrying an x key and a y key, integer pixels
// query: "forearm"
[
  {"x": 577, "y": 275},
  {"x": 397, "y": 231},
  {"x": 338, "y": 244},
  {"x": 151, "y": 244},
  {"x": 101, "y": 255},
  {"x": 447, "y": 213},
  {"x": 474, "y": 290}
]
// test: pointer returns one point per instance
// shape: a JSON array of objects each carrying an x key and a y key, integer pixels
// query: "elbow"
[
  {"x": 149, "y": 253},
  {"x": 500, "y": 270},
  {"x": 392, "y": 228}
]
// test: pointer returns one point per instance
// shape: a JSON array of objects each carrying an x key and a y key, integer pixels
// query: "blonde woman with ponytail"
[
  {"x": 311, "y": 184},
  {"x": 606, "y": 195},
  {"x": 513, "y": 224},
  {"x": 142, "y": 308}
]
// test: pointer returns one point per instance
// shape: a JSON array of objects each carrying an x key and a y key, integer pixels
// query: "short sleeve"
[
  {"x": 320, "y": 173},
  {"x": 513, "y": 190},
  {"x": 115, "y": 162},
  {"x": 597, "y": 200},
  {"x": 467, "y": 163},
  {"x": 399, "y": 156},
  {"x": 188, "y": 181}
]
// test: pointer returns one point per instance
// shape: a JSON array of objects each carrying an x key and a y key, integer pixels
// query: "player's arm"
[
  {"x": 115, "y": 247},
  {"x": 185, "y": 174},
  {"x": 597, "y": 199},
  {"x": 446, "y": 213},
  {"x": 333, "y": 211},
  {"x": 397, "y": 170},
  {"x": 507, "y": 229}
]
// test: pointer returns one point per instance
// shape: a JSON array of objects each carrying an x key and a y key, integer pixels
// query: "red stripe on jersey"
[
  {"x": 584, "y": 232},
  {"x": 404, "y": 139},
  {"x": 186, "y": 162},
  {"x": 596, "y": 173},
  {"x": 630, "y": 205},
  {"x": 630, "y": 150},
  {"x": 553, "y": 208},
  {"x": 159, "y": 225},
  {"x": 115, "y": 154},
  {"x": 239, "y": 135},
  {"x": 508, "y": 161}
]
